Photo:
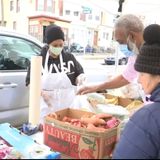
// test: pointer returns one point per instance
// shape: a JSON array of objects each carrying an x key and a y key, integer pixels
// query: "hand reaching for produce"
[
  {"x": 86, "y": 89},
  {"x": 46, "y": 98}
]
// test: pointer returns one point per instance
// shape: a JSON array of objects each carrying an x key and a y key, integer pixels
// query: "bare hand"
[{"x": 86, "y": 89}]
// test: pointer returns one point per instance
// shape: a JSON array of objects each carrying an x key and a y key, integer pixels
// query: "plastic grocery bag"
[{"x": 80, "y": 102}]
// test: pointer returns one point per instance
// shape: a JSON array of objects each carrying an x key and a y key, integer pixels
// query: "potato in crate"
[{"x": 80, "y": 134}]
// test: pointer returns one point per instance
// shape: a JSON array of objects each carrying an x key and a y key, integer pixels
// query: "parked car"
[
  {"x": 15, "y": 54},
  {"x": 75, "y": 47},
  {"x": 111, "y": 59}
]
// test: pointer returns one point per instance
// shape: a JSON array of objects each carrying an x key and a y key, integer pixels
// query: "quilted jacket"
[{"x": 141, "y": 137}]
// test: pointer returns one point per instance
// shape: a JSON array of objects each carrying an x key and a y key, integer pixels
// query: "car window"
[{"x": 15, "y": 53}]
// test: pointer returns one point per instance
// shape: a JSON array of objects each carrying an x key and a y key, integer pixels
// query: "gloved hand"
[
  {"x": 81, "y": 79},
  {"x": 46, "y": 98}
]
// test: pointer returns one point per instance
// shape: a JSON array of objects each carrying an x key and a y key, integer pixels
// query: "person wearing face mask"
[
  {"x": 124, "y": 49},
  {"x": 128, "y": 30},
  {"x": 61, "y": 71},
  {"x": 55, "y": 40},
  {"x": 140, "y": 138}
]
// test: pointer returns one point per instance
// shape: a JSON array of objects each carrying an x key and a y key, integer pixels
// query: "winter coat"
[{"x": 141, "y": 137}]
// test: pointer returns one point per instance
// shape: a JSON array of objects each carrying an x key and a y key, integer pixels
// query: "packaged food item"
[
  {"x": 16, "y": 145},
  {"x": 96, "y": 98},
  {"x": 134, "y": 106},
  {"x": 113, "y": 100}
]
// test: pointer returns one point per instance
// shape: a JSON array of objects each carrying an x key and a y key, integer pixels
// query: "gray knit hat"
[
  {"x": 148, "y": 60},
  {"x": 52, "y": 33}
]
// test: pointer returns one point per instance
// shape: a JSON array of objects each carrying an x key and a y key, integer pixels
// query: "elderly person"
[
  {"x": 141, "y": 137},
  {"x": 128, "y": 30}
]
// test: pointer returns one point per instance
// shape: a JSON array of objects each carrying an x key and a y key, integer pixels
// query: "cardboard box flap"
[{"x": 73, "y": 113}]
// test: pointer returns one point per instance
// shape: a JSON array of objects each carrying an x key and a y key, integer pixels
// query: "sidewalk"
[{"x": 93, "y": 55}]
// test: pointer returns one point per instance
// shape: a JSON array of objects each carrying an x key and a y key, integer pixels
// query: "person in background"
[
  {"x": 128, "y": 30},
  {"x": 140, "y": 138},
  {"x": 55, "y": 42}
]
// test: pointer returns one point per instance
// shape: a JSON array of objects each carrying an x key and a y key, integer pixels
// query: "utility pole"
[{"x": 2, "y": 13}]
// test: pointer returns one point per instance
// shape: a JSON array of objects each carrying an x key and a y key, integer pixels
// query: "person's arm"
[
  {"x": 79, "y": 72},
  {"x": 27, "y": 80},
  {"x": 117, "y": 82},
  {"x": 43, "y": 54}
]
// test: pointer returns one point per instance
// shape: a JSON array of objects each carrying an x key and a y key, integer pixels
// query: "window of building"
[
  {"x": 18, "y": 6},
  {"x": 45, "y": 5},
  {"x": 97, "y": 18},
  {"x": 40, "y": 5},
  {"x": 14, "y": 25},
  {"x": 105, "y": 35},
  {"x": 90, "y": 17},
  {"x": 67, "y": 12},
  {"x": 50, "y": 6},
  {"x": 11, "y": 5},
  {"x": 3, "y": 23},
  {"x": 82, "y": 17},
  {"x": 33, "y": 29},
  {"x": 75, "y": 13}
]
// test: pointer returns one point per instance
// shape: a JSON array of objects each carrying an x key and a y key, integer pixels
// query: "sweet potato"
[
  {"x": 94, "y": 128},
  {"x": 66, "y": 119},
  {"x": 92, "y": 120},
  {"x": 112, "y": 123},
  {"x": 102, "y": 116},
  {"x": 52, "y": 115}
]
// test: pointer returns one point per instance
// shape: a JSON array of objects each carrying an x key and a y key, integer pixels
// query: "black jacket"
[{"x": 72, "y": 66}]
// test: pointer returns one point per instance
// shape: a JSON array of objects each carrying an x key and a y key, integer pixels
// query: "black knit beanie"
[
  {"x": 52, "y": 33},
  {"x": 148, "y": 61}
]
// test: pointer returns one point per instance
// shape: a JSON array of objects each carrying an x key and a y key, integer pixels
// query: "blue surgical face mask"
[
  {"x": 124, "y": 49},
  {"x": 132, "y": 47}
]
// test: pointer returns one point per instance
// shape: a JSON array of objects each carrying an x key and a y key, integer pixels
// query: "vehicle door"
[{"x": 15, "y": 56}]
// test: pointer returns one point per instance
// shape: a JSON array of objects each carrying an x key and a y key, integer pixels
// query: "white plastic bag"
[{"x": 80, "y": 102}]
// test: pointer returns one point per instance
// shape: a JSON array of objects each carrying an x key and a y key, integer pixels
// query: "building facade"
[{"x": 81, "y": 21}]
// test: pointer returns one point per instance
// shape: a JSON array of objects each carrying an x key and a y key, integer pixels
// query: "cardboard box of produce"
[
  {"x": 105, "y": 99},
  {"x": 76, "y": 141}
]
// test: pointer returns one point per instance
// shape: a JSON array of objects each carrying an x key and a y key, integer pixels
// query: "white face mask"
[{"x": 55, "y": 50}]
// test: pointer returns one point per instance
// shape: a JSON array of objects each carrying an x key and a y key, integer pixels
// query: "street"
[{"x": 95, "y": 68}]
